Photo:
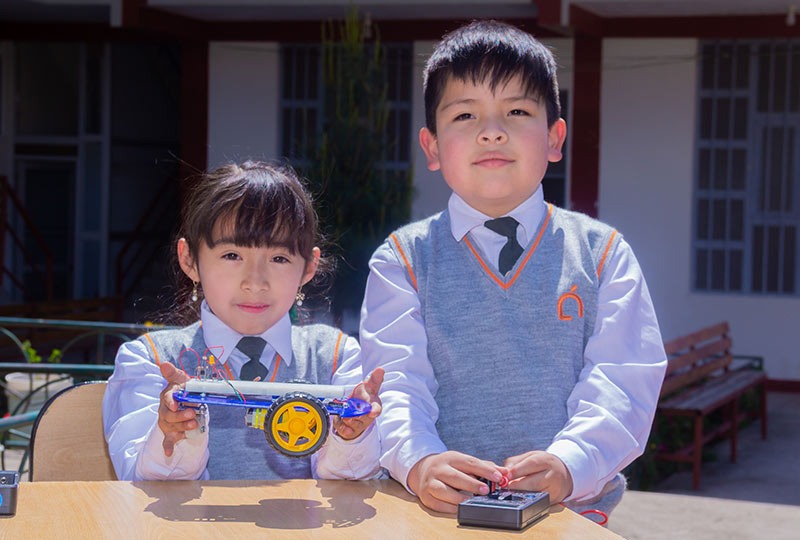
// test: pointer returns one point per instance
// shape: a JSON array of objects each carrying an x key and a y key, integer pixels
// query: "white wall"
[
  {"x": 647, "y": 134},
  {"x": 243, "y": 122},
  {"x": 430, "y": 190}
]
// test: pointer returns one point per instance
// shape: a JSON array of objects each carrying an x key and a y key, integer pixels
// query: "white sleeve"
[
  {"x": 393, "y": 336},
  {"x": 130, "y": 422},
  {"x": 357, "y": 459},
  {"x": 611, "y": 407}
]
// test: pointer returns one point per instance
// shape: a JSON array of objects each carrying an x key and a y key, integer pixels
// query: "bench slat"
[
  {"x": 683, "y": 342},
  {"x": 714, "y": 348},
  {"x": 682, "y": 380},
  {"x": 714, "y": 391}
]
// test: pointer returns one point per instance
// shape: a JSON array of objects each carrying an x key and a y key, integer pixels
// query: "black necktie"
[
  {"x": 506, "y": 226},
  {"x": 252, "y": 347}
]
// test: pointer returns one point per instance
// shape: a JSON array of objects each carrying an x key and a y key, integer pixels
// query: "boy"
[{"x": 518, "y": 339}]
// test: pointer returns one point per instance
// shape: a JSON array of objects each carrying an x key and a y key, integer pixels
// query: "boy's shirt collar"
[
  {"x": 464, "y": 218},
  {"x": 219, "y": 335}
]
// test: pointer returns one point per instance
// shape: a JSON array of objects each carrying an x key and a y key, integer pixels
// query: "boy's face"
[{"x": 492, "y": 148}]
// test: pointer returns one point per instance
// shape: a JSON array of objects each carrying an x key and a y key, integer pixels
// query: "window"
[
  {"x": 302, "y": 102},
  {"x": 746, "y": 174}
]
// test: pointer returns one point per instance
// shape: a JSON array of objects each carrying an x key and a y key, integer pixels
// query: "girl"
[{"x": 247, "y": 246}]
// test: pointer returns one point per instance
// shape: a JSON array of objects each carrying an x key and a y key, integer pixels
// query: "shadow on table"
[{"x": 346, "y": 506}]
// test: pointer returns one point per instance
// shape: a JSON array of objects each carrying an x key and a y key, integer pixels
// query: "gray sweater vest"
[
  {"x": 506, "y": 350},
  {"x": 236, "y": 451}
]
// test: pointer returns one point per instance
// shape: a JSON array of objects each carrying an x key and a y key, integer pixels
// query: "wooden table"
[{"x": 377, "y": 509}]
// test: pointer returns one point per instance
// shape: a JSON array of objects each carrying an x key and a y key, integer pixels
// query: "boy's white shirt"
[
  {"x": 131, "y": 401},
  {"x": 625, "y": 355}
]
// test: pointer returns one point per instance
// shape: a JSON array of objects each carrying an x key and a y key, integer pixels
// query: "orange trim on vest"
[
  {"x": 603, "y": 260},
  {"x": 336, "y": 352},
  {"x": 403, "y": 255},
  {"x": 275, "y": 369},
  {"x": 492, "y": 275},
  {"x": 155, "y": 352}
]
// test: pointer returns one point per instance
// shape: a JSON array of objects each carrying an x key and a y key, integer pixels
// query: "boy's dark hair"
[
  {"x": 255, "y": 204},
  {"x": 495, "y": 52}
]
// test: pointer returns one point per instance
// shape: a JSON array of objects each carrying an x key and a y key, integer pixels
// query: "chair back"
[{"x": 67, "y": 441}]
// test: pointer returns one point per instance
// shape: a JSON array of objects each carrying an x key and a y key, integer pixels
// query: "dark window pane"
[
  {"x": 703, "y": 168},
  {"x": 758, "y": 258},
  {"x": 775, "y": 169},
  {"x": 313, "y": 73},
  {"x": 405, "y": 75},
  {"x": 718, "y": 219},
  {"x": 298, "y": 132},
  {"x": 789, "y": 180},
  {"x": 310, "y": 137},
  {"x": 94, "y": 88},
  {"x": 723, "y": 119},
  {"x": 762, "y": 185},
  {"x": 737, "y": 220},
  {"x": 794, "y": 80},
  {"x": 709, "y": 58},
  {"x": 288, "y": 59},
  {"x": 789, "y": 239},
  {"x": 738, "y": 169},
  {"x": 705, "y": 118},
  {"x": 702, "y": 219},
  {"x": 764, "y": 79},
  {"x": 779, "y": 79},
  {"x": 773, "y": 256},
  {"x": 701, "y": 269},
  {"x": 286, "y": 143},
  {"x": 742, "y": 66},
  {"x": 717, "y": 270},
  {"x": 735, "y": 270},
  {"x": 391, "y": 134},
  {"x": 392, "y": 66},
  {"x": 405, "y": 136},
  {"x": 720, "y": 169},
  {"x": 725, "y": 74},
  {"x": 740, "y": 118}
]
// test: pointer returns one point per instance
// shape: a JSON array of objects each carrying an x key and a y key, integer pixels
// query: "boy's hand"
[
  {"x": 172, "y": 420},
  {"x": 540, "y": 471},
  {"x": 350, "y": 428},
  {"x": 440, "y": 479}
]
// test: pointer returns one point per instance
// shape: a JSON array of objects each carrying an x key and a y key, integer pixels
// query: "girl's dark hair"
[
  {"x": 255, "y": 204},
  {"x": 494, "y": 52}
]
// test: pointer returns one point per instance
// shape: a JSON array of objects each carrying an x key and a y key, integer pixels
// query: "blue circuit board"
[{"x": 345, "y": 408}]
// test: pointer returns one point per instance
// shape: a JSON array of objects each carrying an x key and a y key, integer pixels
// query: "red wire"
[
  {"x": 181, "y": 362},
  {"x": 598, "y": 512}
]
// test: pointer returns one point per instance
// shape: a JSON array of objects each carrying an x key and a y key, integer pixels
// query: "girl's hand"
[
  {"x": 350, "y": 428},
  {"x": 173, "y": 421}
]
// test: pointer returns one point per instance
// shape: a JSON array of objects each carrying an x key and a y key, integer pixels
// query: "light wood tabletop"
[{"x": 243, "y": 509}]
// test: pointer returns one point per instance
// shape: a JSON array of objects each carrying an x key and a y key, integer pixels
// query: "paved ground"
[{"x": 758, "y": 497}]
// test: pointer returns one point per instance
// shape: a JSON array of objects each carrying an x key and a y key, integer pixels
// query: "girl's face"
[{"x": 248, "y": 288}]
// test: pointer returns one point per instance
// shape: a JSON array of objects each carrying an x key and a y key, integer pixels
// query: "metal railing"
[{"x": 13, "y": 434}]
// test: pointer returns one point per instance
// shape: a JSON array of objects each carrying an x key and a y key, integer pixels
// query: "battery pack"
[
  {"x": 9, "y": 484},
  {"x": 504, "y": 509}
]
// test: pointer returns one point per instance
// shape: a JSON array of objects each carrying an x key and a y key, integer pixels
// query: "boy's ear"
[
  {"x": 186, "y": 261},
  {"x": 311, "y": 267},
  {"x": 555, "y": 140},
  {"x": 430, "y": 146}
]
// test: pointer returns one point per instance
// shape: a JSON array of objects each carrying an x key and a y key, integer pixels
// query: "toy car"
[{"x": 295, "y": 417}]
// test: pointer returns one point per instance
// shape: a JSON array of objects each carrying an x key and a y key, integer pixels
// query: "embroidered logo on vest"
[{"x": 571, "y": 294}]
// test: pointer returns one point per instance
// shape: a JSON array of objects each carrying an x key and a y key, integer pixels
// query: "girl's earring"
[
  {"x": 194, "y": 291},
  {"x": 299, "y": 298}
]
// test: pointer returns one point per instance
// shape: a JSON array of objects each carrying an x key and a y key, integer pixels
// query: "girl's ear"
[
  {"x": 311, "y": 267},
  {"x": 186, "y": 261}
]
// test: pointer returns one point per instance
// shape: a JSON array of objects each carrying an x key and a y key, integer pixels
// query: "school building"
[{"x": 683, "y": 132}]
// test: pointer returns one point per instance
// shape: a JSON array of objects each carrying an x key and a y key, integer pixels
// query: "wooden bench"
[{"x": 702, "y": 377}]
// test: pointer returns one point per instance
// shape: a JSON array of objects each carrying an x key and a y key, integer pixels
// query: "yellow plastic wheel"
[{"x": 296, "y": 425}]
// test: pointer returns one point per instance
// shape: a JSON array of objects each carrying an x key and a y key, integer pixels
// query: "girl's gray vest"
[
  {"x": 236, "y": 451},
  {"x": 507, "y": 350}
]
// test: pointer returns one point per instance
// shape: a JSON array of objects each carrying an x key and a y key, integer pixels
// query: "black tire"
[{"x": 309, "y": 428}]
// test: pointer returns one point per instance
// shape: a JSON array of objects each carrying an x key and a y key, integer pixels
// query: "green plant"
[
  {"x": 35, "y": 358},
  {"x": 358, "y": 200}
]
